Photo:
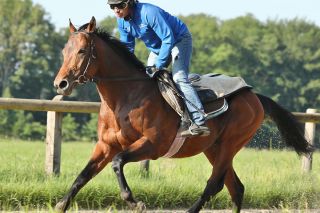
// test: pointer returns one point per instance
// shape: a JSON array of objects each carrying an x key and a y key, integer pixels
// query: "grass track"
[{"x": 273, "y": 179}]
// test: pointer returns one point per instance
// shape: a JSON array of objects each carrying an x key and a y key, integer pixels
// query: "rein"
[{"x": 83, "y": 78}]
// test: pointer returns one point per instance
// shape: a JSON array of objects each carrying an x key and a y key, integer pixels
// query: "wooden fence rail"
[
  {"x": 56, "y": 107},
  {"x": 49, "y": 105},
  {"x": 92, "y": 107}
]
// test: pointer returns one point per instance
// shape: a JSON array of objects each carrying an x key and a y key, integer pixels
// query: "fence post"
[
  {"x": 53, "y": 140},
  {"x": 310, "y": 135}
]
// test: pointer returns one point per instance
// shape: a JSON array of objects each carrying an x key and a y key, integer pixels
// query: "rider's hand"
[{"x": 152, "y": 71}]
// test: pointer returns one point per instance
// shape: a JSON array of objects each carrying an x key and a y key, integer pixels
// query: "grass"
[{"x": 273, "y": 179}]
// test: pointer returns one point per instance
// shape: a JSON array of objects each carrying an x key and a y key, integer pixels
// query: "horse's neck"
[{"x": 120, "y": 92}]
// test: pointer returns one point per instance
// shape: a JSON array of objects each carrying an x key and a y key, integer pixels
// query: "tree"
[
  {"x": 30, "y": 50},
  {"x": 70, "y": 128}
]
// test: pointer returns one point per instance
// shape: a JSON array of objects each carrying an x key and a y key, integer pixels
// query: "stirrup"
[{"x": 195, "y": 130}]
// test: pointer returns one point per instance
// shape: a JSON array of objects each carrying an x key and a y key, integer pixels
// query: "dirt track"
[{"x": 213, "y": 211}]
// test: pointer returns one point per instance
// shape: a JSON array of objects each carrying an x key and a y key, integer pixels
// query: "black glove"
[{"x": 152, "y": 71}]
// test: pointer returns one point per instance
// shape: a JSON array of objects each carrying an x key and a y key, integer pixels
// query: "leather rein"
[{"x": 83, "y": 78}]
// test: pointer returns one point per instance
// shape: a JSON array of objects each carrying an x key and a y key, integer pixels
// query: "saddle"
[{"x": 211, "y": 88}]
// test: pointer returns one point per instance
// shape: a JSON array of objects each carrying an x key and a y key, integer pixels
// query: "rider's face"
[{"x": 120, "y": 10}]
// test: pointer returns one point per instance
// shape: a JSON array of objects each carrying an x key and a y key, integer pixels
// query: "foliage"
[
  {"x": 69, "y": 128},
  {"x": 26, "y": 128},
  {"x": 89, "y": 130},
  {"x": 30, "y": 50},
  {"x": 21, "y": 125}
]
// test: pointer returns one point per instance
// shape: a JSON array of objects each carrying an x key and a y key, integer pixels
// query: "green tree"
[
  {"x": 26, "y": 128},
  {"x": 205, "y": 34},
  {"x": 30, "y": 50},
  {"x": 89, "y": 130},
  {"x": 29, "y": 55},
  {"x": 70, "y": 128}
]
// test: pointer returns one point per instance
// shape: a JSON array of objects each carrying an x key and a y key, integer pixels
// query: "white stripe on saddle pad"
[{"x": 176, "y": 145}]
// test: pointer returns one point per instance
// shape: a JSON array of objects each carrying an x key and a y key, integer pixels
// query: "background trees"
[
  {"x": 279, "y": 58},
  {"x": 29, "y": 55}
]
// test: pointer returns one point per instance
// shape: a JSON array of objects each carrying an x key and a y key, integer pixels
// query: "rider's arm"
[
  {"x": 160, "y": 26},
  {"x": 126, "y": 38}
]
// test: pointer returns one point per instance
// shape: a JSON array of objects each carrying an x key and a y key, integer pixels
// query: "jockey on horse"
[{"x": 168, "y": 39}]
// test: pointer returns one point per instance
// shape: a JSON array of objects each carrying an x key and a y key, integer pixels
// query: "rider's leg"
[{"x": 181, "y": 57}]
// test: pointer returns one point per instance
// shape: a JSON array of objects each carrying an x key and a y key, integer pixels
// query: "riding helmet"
[{"x": 115, "y": 1}]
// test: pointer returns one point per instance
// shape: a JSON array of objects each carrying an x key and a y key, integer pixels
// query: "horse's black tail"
[{"x": 292, "y": 132}]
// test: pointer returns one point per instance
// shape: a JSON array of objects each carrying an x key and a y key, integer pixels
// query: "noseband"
[{"x": 83, "y": 78}]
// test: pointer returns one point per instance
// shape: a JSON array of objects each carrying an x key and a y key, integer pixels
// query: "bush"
[
  {"x": 25, "y": 128},
  {"x": 89, "y": 131},
  {"x": 70, "y": 128}
]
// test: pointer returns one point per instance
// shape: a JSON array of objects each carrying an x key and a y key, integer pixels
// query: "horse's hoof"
[
  {"x": 137, "y": 207},
  {"x": 141, "y": 207},
  {"x": 60, "y": 207}
]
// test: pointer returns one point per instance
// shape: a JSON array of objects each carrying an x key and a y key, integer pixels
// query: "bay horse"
[{"x": 135, "y": 122}]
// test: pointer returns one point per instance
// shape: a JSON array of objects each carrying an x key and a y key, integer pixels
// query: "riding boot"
[{"x": 196, "y": 130}]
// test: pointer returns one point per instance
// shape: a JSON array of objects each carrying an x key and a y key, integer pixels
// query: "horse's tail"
[{"x": 292, "y": 132}]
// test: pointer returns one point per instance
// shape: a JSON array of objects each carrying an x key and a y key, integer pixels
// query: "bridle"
[{"x": 84, "y": 78}]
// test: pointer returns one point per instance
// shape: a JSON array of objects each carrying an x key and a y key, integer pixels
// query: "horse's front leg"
[
  {"x": 139, "y": 150},
  {"x": 102, "y": 155}
]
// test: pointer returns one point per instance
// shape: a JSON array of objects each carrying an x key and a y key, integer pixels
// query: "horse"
[{"x": 135, "y": 122}]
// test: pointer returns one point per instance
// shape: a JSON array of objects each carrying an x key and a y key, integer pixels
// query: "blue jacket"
[{"x": 159, "y": 30}]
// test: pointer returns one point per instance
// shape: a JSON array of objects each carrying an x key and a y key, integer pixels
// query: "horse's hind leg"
[
  {"x": 221, "y": 162},
  {"x": 235, "y": 188},
  {"x": 136, "y": 152},
  {"x": 101, "y": 156}
]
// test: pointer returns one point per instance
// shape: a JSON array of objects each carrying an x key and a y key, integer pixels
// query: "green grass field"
[{"x": 273, "y": 179}]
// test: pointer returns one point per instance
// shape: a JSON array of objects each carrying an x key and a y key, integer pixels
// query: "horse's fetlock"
[{"x": 61, "y": 206}]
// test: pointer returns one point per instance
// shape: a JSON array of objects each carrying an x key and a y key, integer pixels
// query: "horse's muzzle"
[{"x": 63, "y": 87}]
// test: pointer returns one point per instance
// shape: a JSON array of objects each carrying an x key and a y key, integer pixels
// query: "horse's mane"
[{"x": 116, "y": 45}]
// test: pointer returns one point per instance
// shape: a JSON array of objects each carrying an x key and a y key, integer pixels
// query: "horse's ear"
[
  {"x": 72, "y": 29},
  {"x": 92, "y": 25}
]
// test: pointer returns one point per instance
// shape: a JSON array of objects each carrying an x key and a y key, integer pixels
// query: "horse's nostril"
[{"x": 63, "y": 84}]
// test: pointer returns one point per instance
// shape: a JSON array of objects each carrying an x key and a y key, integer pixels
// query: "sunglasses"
[{"x": 119, "y": 6}]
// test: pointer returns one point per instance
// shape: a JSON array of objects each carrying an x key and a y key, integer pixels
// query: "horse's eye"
[{"x": 82, "y": 51}]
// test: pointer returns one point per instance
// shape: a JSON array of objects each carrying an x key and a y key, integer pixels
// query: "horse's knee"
[
  {"x": 117, "y": 163},
  {"x": 88, "y": 172}
]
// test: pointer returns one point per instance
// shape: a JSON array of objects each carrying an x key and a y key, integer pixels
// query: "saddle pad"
[
  {"x": 221, "y": 85},
  {"x": 210, "y": 88}
]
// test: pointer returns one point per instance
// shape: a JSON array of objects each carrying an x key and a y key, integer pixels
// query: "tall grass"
[{"x": 272, "y": 179}]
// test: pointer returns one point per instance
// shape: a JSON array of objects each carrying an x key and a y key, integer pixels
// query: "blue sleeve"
[
  {"x": 160, "y": 26},
  {"x": 127, "y": 39}
]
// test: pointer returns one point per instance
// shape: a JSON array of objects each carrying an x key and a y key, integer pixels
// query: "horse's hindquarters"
[{"x": 242, "y": 120}]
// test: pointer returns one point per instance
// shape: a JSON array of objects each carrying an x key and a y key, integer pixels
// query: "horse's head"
[{"x": 78, "y": 58}]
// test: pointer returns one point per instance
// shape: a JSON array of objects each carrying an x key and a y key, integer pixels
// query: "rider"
[{"x": 165, "y": 36}]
